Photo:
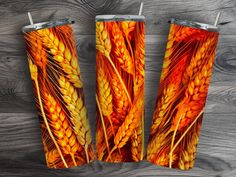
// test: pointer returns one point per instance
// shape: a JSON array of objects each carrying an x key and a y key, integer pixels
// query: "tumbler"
[
  {"x": 58, "y": 92},
  {"x": 182, "y": 93},
  {"x": 120, "y": 87}
]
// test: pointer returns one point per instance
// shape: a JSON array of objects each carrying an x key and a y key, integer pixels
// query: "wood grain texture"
[
  {"x": 157, "y": 12},
  {"x": 21, "y": 152}
]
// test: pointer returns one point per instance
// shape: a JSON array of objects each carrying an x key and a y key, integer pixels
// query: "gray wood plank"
[
  {"x": 21, "y": 152},
  {"x": 157, "y": 12}
]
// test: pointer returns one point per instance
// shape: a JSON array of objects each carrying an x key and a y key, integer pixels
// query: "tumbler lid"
[
  {"x": 120, "y": 18},
  {"x": 192, "y": 24},
  {"x": 49, "y": 24}
]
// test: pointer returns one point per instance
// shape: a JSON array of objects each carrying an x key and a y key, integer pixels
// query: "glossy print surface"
[
  {"x": 58, "y": 92},
  {"x": 120, "y": 90},
  {"x": 182, "y": 93}
]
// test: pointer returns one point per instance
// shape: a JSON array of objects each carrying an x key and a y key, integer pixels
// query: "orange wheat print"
[
  {"x": 58, "y": 91},
  {"x": 181, "y": 97},
  {"x": 120, "y": 90}
]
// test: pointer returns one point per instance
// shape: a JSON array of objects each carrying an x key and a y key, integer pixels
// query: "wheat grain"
[
  {"x": 63, "y": 54},
  {"x": 121, "y": 53},
  {"x": 104, "y": 92},
  {"x": 33, "y": 69},
  {"x": 103, "y": 43},
  {"x": 34, "y": 77},
  {"x": 131, "y": 122},
  {"x": 128, "y": 26}
]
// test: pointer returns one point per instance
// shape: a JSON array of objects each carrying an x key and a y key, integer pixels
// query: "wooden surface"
[{"x": 21, "y": 152}]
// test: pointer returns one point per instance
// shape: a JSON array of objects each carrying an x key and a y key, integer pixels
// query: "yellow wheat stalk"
[
  {"x": 66, "y": 58},
  {"x": 103, "y": 46},
  {"x": 132, "y": 120},
  {"x": 104, "y": 92},
  {"x": 195, "y": 96},
  {"x": 78, "y": 112},
  {"x": 198, "y": 60},
  {"x": 34, "y": 77},
  {"x": 60, "y": 125},
  {"x": 162, "y": 107}
]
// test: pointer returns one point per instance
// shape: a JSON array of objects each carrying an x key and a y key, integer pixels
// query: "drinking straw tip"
[
  {"x": 141, "y": 9},
  {"x": 30, "y": 18},
  {"x": 217, "y": 18}
]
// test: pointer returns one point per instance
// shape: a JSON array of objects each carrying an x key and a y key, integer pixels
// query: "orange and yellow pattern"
[
  {"x": 120, "y": 90},
  {"x": 58, "y": 92},
  {"x": 181, "y": 97}
]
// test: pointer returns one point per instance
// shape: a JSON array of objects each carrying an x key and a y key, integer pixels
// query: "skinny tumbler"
[
  {"x": 120, "y": 87},
  {"x": 58, "y": 93},
  {"x": 182, "y": 93}
]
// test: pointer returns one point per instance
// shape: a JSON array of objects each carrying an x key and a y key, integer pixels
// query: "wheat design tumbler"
[
  {"x": 58, "y": 92},
  {"x": 182, "y": 93},
  {"x": 120, "y": 87}
]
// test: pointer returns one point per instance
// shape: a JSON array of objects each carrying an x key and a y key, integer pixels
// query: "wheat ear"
[
  {"x": 122, "y": 54},
  {"x": 103, "y": 45},
  {"x": 34, "y": 77},
  {"x": 137, "y": 142},
  {"x": 139, "y": 56},
  {"x": 66, "y": 138},
  {"x": 64, "y": 55},
  {"x": 131, "y": 122},
  {"x": 197, "y": 60},
  {"x": 78, "y": 112},
  {"x": 104, "y": 92}
]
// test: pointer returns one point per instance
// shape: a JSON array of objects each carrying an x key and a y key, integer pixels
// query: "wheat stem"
[
  {"x": 103, "y": 124},
  {"x": 173, "y": 139},
  {"x": 86, "y": 152},
  {"x": 142, "y": 151},
  {"x": 73, "y": 159},
  {"x": 119, "y": 77},
  {"x": 47, "y": 124},
  {"x": 186, "y": 131}
]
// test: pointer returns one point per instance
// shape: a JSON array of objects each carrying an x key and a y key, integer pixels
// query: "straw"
[
  {"x": 141, "y": 9},
  {"x": 30, "y": 18},
  {"x": 217, "y": 19}
]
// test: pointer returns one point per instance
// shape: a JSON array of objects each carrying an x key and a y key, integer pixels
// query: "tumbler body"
[
  {"x": 120, "y": 74},
  {"x": 58, "y": 93},
  {"x": 182, "y": 93}
]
